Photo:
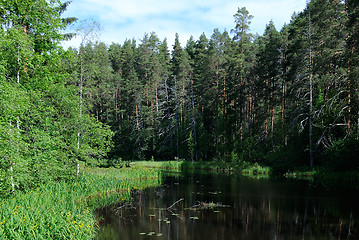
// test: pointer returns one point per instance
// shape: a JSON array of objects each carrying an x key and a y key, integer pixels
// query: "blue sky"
[{"x": 121, "y": 20}]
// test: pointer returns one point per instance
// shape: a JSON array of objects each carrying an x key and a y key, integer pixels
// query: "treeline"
[{"x": 286, "y": 98}]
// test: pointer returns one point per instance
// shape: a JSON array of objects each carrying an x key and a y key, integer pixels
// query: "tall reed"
[{"x": 64, "y": 210}]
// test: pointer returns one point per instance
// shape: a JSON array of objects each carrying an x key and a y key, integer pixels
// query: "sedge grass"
[
  {"x": 168, "y": 165},
  {"x": 64, "y": 210}
]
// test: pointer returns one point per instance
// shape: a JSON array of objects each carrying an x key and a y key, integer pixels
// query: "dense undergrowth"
[{"x": 64, "y": 210}]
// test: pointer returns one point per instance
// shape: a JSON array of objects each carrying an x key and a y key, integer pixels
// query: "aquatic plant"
[{"x": 64, "y": 210}]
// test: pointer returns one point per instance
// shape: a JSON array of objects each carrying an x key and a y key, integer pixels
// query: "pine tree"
[
  {"x": 269, "y": 77},
  {"x": 239, "y": 70}
]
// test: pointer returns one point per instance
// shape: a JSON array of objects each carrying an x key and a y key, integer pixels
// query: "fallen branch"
[
  {"x": 175, "y": 203},
  {"x": 203, "y": 205}
]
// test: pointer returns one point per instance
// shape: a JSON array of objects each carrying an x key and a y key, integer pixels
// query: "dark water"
[{"x": 227, "y": 207}]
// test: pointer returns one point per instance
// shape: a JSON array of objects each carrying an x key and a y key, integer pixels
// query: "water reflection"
[{"x": 205, "y": 206}]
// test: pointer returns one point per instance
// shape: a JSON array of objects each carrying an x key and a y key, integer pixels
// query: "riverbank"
[
  {"x": 64, "y": 210},
  {"x": 323, "y": 175},
  {"x": 248, "y": 169}
]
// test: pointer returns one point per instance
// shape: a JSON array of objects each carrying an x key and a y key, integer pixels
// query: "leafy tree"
[{"x": 39, "y": 108}]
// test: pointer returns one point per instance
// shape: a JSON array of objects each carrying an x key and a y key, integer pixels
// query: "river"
[{"x": 203, "y": 206}]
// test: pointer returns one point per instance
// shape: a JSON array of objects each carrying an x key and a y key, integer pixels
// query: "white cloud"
[
  {"x": 280, "y": 11},
  {"x": 131, "y": 19}
]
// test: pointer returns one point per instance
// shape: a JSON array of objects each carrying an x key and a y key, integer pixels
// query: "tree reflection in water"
[{"x": 235, "y": 208}]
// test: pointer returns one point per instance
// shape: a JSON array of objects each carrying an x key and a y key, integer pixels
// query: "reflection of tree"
[{"x": 259, "y": 210}]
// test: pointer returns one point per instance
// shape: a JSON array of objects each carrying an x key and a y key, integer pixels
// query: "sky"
[{"x": 131, "y": 19}]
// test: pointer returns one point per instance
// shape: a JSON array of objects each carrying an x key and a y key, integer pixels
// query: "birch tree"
[{"x": 87, "y": 31}]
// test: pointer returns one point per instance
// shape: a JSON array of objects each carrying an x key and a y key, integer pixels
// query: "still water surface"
[{"x": 191, "y": 206}]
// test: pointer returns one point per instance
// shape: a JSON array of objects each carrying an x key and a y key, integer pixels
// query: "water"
[{"x": 208, "y": 206}]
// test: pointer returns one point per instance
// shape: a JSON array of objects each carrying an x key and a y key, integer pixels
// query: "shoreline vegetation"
[
  {"x": 65, "y": 209},
  {"x": 243, "y": 168},
  {"x": 256, "y": 170}
]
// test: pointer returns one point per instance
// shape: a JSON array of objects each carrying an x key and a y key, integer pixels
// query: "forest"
[{"x": 284, "y": 99}]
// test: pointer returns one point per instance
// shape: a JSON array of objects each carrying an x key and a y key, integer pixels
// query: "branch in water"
[{"x": 175, "y": 203}]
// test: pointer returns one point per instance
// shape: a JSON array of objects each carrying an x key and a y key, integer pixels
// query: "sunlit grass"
[
  {"x": 243, "y": 168},
  {"x": 173, "y": 165},
  {"x": 303, "y": 174},
  {"x": 255, "y": 170},
  {"x": 64, "y": 210}
]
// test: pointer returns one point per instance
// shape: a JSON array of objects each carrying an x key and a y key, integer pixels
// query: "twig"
[
  {"x": 197, "y": 206},
  {"x": 175, "y": 203}
]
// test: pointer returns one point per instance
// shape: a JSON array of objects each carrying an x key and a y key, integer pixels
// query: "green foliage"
[
  {"x": 173, "y": 165},
  {"x": 64, "y": 210},
  {"x": 234, "y": 158},
  {"x": 255, "y": 169},
  {"x": 39, "y": 112},
  {"x": 191, "y": 146},
  {"x": 343, "y": 155},
  {"x": 96, "y": 140},
  {"x": 302, "y": 173}
]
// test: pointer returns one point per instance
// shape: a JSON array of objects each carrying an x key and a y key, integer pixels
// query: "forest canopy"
[{"x": 286, "y": 98}]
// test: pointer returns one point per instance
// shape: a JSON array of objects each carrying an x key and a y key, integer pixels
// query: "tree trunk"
[
  {"x": 176, "y": 107},
  {"x": 137, "y": 119},
  {"x": 18, "y": 64},
  {"x": 194, "y": 121},
  {"x": 11, "y": 178},
  {"x": 284, "y": 92},
  {"x": 310, "y": 118},
  {"x": 349, "y": 97},
  {"x": 349, "y": 73},
  {"x": 217, "y": 103},
  {"x": 168, "y": 114},
  {"x": 266, "y": 103},
  {"x": 78, "y": 170},
  {"x": 80, "y": 111},
  {"x": 80, "y": 104},
  {"x": 17, "y": 123},
  {"x": 241, "y": 89},
  {"x": 272, "y": 129},
  {"x": 156, "y": 96}
]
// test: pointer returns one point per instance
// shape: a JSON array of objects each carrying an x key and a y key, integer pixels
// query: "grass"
[
  {"x": 64, "y": 210},
  {"x": 255, "y": 170},
  {"x": 169, "y": 165},
  {"x": 243, "y": 168},
  {"x": 178, "y": 165},
  {"x": 325, "y": 176},
  {"x": 302, "y": 173}
]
